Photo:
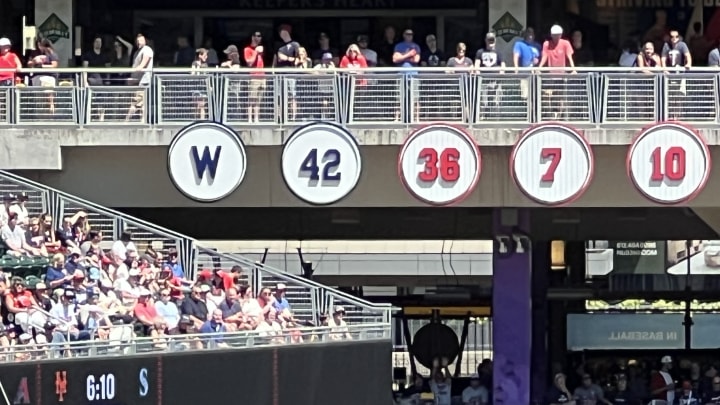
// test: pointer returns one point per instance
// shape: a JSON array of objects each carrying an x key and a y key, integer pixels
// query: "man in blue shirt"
[
  {"x": 526, "y": 52},
  {"x": 407, "y": 55}
]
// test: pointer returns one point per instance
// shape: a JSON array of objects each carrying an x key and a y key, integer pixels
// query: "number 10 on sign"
[{"x": 668, "y": 165}]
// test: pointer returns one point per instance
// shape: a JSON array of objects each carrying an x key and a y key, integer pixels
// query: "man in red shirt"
[
  {"x": 254, "y": 59},
  {"x": 146, "y": 313},
  {"x": 556, "y": 53},
  {"x": 8, "y": 60}
]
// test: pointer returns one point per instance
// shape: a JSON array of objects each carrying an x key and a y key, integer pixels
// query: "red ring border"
[
  {"x": 462, "y": 132},
  {"x": 570, "y": 130},
  {"x": 690, "y": 131}
]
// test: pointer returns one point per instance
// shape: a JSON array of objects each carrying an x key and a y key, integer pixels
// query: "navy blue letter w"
[{"x": 206, "y": 162}]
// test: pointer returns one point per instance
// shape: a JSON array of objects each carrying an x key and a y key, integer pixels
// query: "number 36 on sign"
[{"x": 439, "y": 164}]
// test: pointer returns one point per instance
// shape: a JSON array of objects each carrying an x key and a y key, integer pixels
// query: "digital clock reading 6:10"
[{"x": 100, "y": 388}]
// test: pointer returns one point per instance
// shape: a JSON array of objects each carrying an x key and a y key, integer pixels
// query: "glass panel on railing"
[
  {"x": 116, "y": 104},
  {"x": 630, "y": 98},
  {"x": 565, "y": 97},
  {"x": 310, "y": 97},
  {"x": 438, "y": 97},
  {"x": 4, "y": 106},
  {"x": 47, "y": 103},
  {"x": 503, "y": 98},
  {"x": 249, "y": 99},
  {"x": 376, "y": 98},
  {"x": 691, "y": 97},
  {"x": 184, "y": 98}
]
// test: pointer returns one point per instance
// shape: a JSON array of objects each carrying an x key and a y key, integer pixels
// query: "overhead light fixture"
[{"x": 557, "y": 255}]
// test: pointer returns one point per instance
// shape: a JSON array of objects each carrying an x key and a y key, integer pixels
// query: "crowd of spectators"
[
  {"x": 654, "y": 381},
  {"x": 666, "y": 50},
  {"x": 112, "y": 294}
]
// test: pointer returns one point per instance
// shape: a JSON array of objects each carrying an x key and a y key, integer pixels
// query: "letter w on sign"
[{"x": 206, "y": 162}]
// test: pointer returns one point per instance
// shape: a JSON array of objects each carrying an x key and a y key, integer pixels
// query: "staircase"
[{"x": 307, "y": 298}]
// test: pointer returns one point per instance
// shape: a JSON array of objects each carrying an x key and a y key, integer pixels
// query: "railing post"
[
  {"x": 53, "y": 205},
  {"x": 187, "y": 253}
]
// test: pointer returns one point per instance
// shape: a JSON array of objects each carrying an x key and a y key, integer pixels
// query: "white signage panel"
[
  {"x": 669, "y": 163},
  {"x": 321, "y": 163},
  {"x": 439, "y": 164},
  {"x": 552, "y": 164},
  {"x": 207, "y": 161}
]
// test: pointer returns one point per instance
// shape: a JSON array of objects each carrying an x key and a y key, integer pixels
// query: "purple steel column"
[{"x": 512, "y": 318}]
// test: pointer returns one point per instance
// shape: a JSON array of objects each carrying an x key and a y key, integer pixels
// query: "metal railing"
[
  {"x": 363, "y": 98},
  {"x": 194, "y": 342},
  {"x": 309, "y": 300}
]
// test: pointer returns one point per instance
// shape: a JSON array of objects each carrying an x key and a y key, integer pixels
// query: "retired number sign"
[
  {"x": 439, "y": 164},
  {"x": 669, "y": 163},
  {"x": 552, "y": 164},
  {"x": 321, "y": 163}
]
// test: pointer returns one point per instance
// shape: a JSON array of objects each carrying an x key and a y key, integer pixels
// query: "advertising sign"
[{"x": 625, "y": 331}]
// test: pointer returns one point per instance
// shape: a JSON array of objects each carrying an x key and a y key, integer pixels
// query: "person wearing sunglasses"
[{"x": 253, "y": 54}]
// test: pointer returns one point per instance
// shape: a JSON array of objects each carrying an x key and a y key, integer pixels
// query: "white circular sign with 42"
[{"x": 321, "y": 163}]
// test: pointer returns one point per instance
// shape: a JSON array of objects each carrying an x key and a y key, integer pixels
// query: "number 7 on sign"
[{"x": 554, "y": 155}]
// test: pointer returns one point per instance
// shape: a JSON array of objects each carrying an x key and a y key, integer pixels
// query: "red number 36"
[{"x": 445, "y": 164}]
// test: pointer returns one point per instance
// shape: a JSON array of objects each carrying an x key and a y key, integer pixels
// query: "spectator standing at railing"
[
  {"x": 8, "y": 60},
  {"x": 46, "y": 57},
  {"x": 407, "y": 56},
  {"x": 488, "y": 58},
  {"x": 582, "y": 55},
  {"x": 142, "y": 63},
  {"x": 323, "y": 49},
  {"x": 371, "y": 57},
  {"x": 676, "y": 54},
  {"x": 253, "y": 54},
  {"x": 432, "y": 56},
  {"x": 185, "y": 54},
  {"x": 288, "y": 56},
  {"x": 714, "y": 56},
  {"x": 387, "y": 47},
  {"x": 556, "y": 53},
  {"x": 526, "y": 52},
  {"x": 460, "y": 60},
  {"x": 96, "y": 58}
]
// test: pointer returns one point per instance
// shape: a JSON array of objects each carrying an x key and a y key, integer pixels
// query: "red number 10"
[
  {"x": 447, "y": 166},
  {"x": 673, "y": 162}
]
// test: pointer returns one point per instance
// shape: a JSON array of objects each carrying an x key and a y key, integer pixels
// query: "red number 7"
[{"x": 554, "y": 155}]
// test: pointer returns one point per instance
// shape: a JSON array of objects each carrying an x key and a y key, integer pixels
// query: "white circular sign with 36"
[
  {"x": 552, "y": 164},
  {"x": 439, "y": 164},
  {"x": 321, "y": 163},
  {"x": 669, "y": 163}
]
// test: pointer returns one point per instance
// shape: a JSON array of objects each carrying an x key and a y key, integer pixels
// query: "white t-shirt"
[
  {"x": 22, "y": 213},
  {"x": 15, "y": 237},
  {"x": 142, "y": 52},
  {"x": 269, "y": 329},
  {"x": 475, "y": 396},
  {"x": 442, "y": 392}
]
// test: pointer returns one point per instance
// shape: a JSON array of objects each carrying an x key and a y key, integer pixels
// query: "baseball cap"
[
  {"x": 5, "y": 42},
  {"x": 327, "y": 56},
  {"x": 362, "y": 38},
  {"x": 281, "y": 286},
  {"x": 231, "y": 49},
  {"x": 666, "y": 359},
  {"x": 205, "y": 273},
  {"x": 204, "y": 288},
  {"x": 556, "y": 30},
  {"x": 25, "y": 336},
  {"x": 339, "y": 308},
  {"x": 490, "y": 36}
]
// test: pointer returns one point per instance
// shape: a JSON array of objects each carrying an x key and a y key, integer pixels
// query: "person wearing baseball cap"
[
  {"x": 281, "y": 303},
  {"x": 371, "y": 57},
  {"x": 557, "y": 52},
  {"x": 9, "y": 63},
  {"x": 662, "y": 385}
]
